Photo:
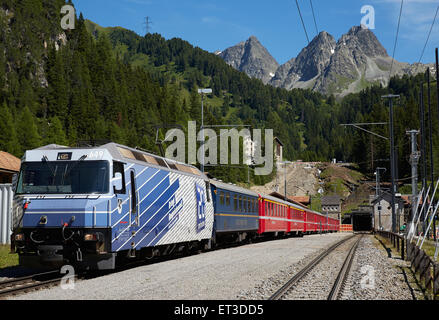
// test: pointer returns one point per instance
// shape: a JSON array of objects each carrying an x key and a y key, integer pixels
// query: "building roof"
[
  {"x": 303, "y": 199},
  {"x": 388, "y": 197},
  {"x": 278, "y": 141},
  {"x": 408, "y": 199},
  {"x": 331, "y": 201},
  {"x": 9, "y": 163}
]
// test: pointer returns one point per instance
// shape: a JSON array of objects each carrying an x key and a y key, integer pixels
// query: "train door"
[{"x": 261, "y": 209}]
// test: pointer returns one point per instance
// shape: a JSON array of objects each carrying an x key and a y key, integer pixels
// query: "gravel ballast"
[
  {"x": 375, "y": 275},
  {"x": 252, "y": 272},
  {"x": 217, "y": 275}
]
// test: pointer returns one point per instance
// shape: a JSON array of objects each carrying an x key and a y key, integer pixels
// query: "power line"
[
  {"x": 314, "y": 17},
  {"x": 428, "y": 38},
  {"x": 301, "y": 18},
  {"x": 396, "y": 40}
]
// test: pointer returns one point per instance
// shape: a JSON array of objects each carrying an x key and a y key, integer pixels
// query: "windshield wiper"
[
  {"x": 46, "y": 161},
  {"x": 72, "y": 167}
]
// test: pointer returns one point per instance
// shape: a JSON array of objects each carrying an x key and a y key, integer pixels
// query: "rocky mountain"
[
  {"x": 252, "y": 58},
  {"x": 357, "y": 60}
]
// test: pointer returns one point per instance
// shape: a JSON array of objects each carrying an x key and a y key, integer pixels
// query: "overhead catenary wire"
[
  {"x": 428, "y": 38},
  {"x": 314, "y": 17},
  {"x": 301, "y": 18},
  {"x": 396, "y": 39},
  {"x": 315, "y": 24}
]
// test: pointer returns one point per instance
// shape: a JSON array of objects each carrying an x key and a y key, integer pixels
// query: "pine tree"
[
  {"x": 8, "y": 135},
  {"x": 27, "y": 130},
  {"x": 55, "y": 133}
]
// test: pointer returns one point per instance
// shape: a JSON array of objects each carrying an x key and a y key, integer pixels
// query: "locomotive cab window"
[{"x": 118, "y": 170}]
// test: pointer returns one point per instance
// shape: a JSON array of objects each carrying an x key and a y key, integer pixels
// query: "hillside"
[{"x": 95, "y": 83}]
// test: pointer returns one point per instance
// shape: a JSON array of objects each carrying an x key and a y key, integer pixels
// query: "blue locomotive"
[{"x": 85, "y": 206}]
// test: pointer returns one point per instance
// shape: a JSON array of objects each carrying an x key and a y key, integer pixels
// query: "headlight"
[
  {"x": 19, "y": 237},
  {"x": 90, "y": 237}
]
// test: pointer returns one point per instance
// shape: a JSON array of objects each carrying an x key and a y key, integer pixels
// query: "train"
[{"x": 94, "y": 207}]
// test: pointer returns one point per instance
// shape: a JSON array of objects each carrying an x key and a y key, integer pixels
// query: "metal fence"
[
  {"x": 6, "y": 195},
  {"x": 421, "y": 263}
]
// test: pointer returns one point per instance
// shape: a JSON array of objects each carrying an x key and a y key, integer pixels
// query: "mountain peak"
[
  {"x": 252, "y": 58},
  {"x": 354, "y": 62},
  {"x": 360, "y": 38}
]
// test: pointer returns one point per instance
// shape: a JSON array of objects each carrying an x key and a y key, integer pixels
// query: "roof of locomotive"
[{"x": 123, "y": 153}]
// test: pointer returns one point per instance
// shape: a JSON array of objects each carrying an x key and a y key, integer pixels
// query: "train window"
[
  {"x": 249, "y": 205},
  {"x": 227, "y": 199},
  {"x": 240, "y": 203},
  {"x": 118, "y": 168},
  {"x": 208, "y": 190},
  {"x": 222, "y": 198},
  {"x": 244, "y": 203},
  {"x": 235, "y": 202}
]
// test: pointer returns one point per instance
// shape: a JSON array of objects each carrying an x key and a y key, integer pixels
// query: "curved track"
[
  {"x": 339, "y": 282},
  {"x": 32, "y": 282}
]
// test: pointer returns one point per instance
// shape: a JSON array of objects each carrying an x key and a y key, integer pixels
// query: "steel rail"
[
  {"x": 302, "y": 273},
  {"x": 342, "y": 277},
  {"x": 15, "y": 286}
]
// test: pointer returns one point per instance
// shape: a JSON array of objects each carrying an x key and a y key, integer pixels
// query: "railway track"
[
  {"x": 342, "y": 277},
  {"x": 340, "y": 281},
  {"x": 31, "y": 282}
]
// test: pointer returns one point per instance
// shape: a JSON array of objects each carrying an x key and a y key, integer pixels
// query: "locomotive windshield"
[{"x": 64, "y": 177}]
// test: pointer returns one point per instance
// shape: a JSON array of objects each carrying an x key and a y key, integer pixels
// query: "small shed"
[
  {"x": 278, "y": 149},
  {"x": 382, "y": 211},
  {"x": 332, "y": 206}
]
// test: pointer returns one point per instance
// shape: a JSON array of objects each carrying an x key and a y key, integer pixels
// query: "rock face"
[
  {"x": 356, "y": 61},
  {"x": 303, "y": 71},
  {"x": 252, "y": 58}
]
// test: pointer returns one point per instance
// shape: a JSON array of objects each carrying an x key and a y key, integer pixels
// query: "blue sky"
[{"x": 218, "y": 24}]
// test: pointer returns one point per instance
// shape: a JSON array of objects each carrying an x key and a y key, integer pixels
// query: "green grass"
[
  {"x": 7, "y": 259},
  {"x": 429, "y": 248}
]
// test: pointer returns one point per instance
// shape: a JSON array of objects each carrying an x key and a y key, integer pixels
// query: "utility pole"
[
  {"x": 414, "y": 160},
  {"x": 392, "y": 159},
  {"x": 147, "y": 24},
  {"x": 378, "y": 189},
  {"x": 437, "y": 97},
  {"x": 377, "y": 174},
  {"x": 203, "y": 92},
  {"x": 430, "y": 129},
  {"x": 423, "y": 152}
]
